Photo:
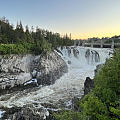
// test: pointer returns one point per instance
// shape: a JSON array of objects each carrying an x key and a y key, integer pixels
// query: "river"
[{"x": 69, "y": 85}]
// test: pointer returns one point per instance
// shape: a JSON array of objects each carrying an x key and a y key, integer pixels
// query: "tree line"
[
  {"x": 115, "y": 38},
  {"x": 29, "y": 40}
]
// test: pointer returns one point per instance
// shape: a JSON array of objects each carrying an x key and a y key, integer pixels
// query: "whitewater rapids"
[{"x": 69, "y": 85}]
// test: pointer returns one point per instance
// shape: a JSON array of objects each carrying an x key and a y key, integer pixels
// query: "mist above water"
[{"x": 81, "y": 64}]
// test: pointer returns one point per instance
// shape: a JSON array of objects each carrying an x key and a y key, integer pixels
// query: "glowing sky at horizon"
[{"x": 82, "y": 18}]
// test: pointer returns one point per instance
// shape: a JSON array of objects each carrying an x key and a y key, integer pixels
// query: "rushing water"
[{"x": 81, "y": 64}]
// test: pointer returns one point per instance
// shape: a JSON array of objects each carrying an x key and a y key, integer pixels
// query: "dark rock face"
[
  {"x": 88, "y": 85},
  {"x": 69, "y": 62},
  {"x": 75, "y": 52},
  {"x": 94, "y": 54}
]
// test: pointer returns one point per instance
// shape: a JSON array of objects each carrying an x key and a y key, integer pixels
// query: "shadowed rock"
[
  {"x": 75, "y": 52},
  {"x": 92, "y": 55},
  {"x": 88, "y": 85}
]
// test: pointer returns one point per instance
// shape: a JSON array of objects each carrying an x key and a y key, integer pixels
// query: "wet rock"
[
  {"x": 87, "y": 54},
  {"x": 69, "y": 62},
  {"x": 34, "y": 73},
  {"x": 26, "y": 113},
  {"x": 59, "y": 51},
  {"x": 93, "y": 55},
  {"x": 33, "y": 111},
  {"x": 97, "y": 56},
  {"x": 75, "y": 52},
  {"x": 68, "y": 50},
  {"x": 75, "y": 105},
  {"x": 88, "y": 85}
]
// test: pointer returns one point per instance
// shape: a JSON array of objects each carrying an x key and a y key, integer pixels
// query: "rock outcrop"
[
  {"x": 26, "y": 113},
  {"x": 17, "y": 70},
  {"x": 88, "y": 85},
  {"x": 94, "y": 54},
  {"x": 75, "y": 52}
]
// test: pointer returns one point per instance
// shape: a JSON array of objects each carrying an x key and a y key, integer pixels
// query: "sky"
[{"x": 82, "y": 18}]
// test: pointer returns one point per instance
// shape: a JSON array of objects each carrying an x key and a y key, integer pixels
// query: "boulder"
[{"x": 88, "y": 85}]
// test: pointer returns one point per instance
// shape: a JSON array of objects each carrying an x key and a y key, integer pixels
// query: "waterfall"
[
  {"x": 81, "y": 56},
  {"x": 81, "y": 64}
]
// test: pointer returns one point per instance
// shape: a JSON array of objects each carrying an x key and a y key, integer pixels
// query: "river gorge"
[{"x": 67, "y": 83}]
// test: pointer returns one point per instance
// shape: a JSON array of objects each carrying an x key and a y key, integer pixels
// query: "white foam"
[
  {"x": 69, "y": 85},
  {"x": 31, "y": 81},
  {"x": 1, "y": 113}
]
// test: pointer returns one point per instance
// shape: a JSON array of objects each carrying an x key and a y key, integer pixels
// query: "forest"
[{"x": 20, "y": 40}]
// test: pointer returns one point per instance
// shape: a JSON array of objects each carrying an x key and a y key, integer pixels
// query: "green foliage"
[
  {"x": 39, "y": 41},
  {"x": 13, "y": 49},
  {"x": 42, "y": 46},
  {"x": 115, "y": 111},
  {"x": 106, "y": 93},
  {"x": 24, "y": 48},
  {"x": 110, "y": 76},
  {"x": 103, "y": 102},
  {"x": 68, "y": 115},
  {"x": 93, "y": 108}
]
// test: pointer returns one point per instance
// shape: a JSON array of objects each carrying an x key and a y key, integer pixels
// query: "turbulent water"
[{"x": 81, "y": 64}]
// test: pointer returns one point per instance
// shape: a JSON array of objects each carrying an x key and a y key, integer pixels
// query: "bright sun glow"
[{"x": 90, "y": 35}]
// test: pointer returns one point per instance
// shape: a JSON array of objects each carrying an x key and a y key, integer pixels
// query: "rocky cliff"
[{"x": 22, "y": 70}]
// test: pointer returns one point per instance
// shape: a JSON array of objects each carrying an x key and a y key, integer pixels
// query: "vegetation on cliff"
[
  {"x": 19, "y": 40},
  {"x": 103, "y": 102}
]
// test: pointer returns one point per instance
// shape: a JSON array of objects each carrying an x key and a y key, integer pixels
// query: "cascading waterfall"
[
  {"x": 81, "y": 64},
  {"x": 85, "y": 56}
]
